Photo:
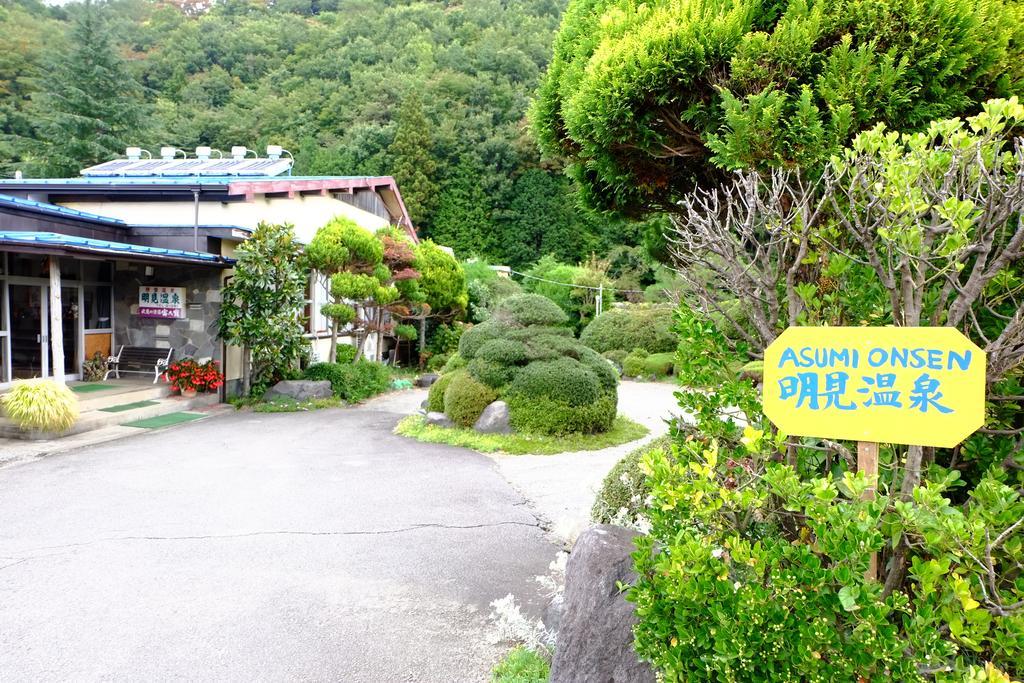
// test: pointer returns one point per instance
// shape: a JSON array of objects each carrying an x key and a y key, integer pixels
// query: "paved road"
[{"x": 253, "y": 547}]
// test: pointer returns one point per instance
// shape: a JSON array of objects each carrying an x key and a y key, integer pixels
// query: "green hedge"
[
  {"x": 435, "y": 397},
  {"x": 564, "y": 380},
  {"x": 622, "y": 497},
  {"x": 632, "y": 327},
  {"x": 538, "y": 415},
  {"x": 465, "y": 398},
  {"x": 531, "y": 309},
  {"x": 353, "y": 382}
]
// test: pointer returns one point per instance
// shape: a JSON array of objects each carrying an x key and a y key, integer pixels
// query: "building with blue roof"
[{"x": 78, "y": 255}]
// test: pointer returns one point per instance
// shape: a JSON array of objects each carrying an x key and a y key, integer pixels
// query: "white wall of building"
[{"x": 307, "y": 213}]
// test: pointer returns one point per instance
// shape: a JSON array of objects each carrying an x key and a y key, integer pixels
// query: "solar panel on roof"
[{"x": 189, "y": 167}]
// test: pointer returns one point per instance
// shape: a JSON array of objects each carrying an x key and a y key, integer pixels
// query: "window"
[
  {"x": 97, "y": 300},
  {"x": 317, "y": 294}
]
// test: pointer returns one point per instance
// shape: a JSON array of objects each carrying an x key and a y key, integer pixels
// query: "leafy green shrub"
[
  {"x": 437, "y": 362},
  {"x": 456, "y": 362},
  {"x": 632, "y": 327},
  {"x": 353, "y": 382},
  {"x": 465, "y": 399},
  {"x": 507, "y": 351},
  {"x": 635, "y": 364},
  {"x": 435, "y": 397},
  {"x": 521, "y": 666},
  {"x": 40, "y": 404},
  {"x": 623, "y": 495},
  {"x": 745, "y": 84},
  {"x": 616, "y": 356},
  {"x": 330, "y": 372},
  {"x": 345, "y": 353},
  {"x": 478, "y": 335},
  {"x": 521, "y": 353},
  {"x": 531, "y": 309},
  {"x": 660, "y": 364},
  {"x": 445, "y": 338},
  {"x": 756, "y": 600},
  {"x": 494, "y": 375},
  {"x": 539, "y": 415},
  {"x": 406, "y": 332},
  {"x": 564, "y": 380}
]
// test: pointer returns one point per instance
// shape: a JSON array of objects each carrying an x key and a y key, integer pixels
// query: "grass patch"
[
  {"x": 623, "y": 431},
  {"x": 521, "y": 666},
  {"x": 290, "y": 405}
]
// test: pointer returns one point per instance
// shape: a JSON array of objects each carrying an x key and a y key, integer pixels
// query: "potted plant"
[{"x": 190, "y": 377}]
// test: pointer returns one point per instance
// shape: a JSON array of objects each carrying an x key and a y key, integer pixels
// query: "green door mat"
[
  {"x": 164, "y": 420},
  {"x": 89, "y": 388},
  {"x": 128, "y": 406}
]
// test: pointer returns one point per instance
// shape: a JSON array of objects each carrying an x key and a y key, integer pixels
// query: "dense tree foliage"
[
  {"x": 644, "y": 99},
  {"x": 432, "y": 92}
]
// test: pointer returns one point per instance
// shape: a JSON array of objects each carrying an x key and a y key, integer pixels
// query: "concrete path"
[
  {"x": 251, "y": 547},
  {"x": 562, "y": 487}
]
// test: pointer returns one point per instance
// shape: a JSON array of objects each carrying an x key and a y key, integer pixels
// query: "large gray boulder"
[
  {"x": 426, "y": 380},
  {"x": 494, "y": 419},
  {"x": 299, "y": 389},
  {"x": 595, "y": 638},
  {"x": 438, "y": 420}
]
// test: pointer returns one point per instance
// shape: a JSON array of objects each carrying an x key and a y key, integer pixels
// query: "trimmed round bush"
[
  {"x": 40, "y": 404},
  {"x": 564, "y": 379},
  {"x": 465, "y": 398},
  {"x": 635, "y": 364},
  {"x": 539, "y": 415},
  {"x": 531, "y": 309},
  {"x": 456, "y": 362},
  {"x": 632, "y": 327},
  {"x": 435, "y": 398},
  {"x": 494, "y": 375},
  {"x": 478, "y": 335},
  {"x": 607, "y": 375},
  {"x": 622, "y": 495},
  {"x": 660, "y": 364},
  {"x": 330, "y": 372},
  {"x": 507, "y": 351}
]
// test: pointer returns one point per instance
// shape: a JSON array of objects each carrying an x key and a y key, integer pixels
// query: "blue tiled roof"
[
  {"x": 54, "y": 210},
  {"x": 53, "y": 239},
  {"x": 171, "y": 180},
  {"x": 189, "y": 226}
]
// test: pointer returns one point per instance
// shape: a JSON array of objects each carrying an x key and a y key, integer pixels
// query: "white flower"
[{"x": 717, "y": 553}]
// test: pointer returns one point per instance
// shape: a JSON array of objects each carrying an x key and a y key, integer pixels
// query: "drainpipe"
[{"x": 195, "y": 227}]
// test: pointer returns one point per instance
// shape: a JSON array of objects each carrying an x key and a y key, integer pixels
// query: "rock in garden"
[
  {"x": 494, "y": 419},
  {"x": 438, "y": 420},
  {"x": 426, "y": 380},
  {"x": 595, "y": 638},
  {"x": 299, "y": 389}
]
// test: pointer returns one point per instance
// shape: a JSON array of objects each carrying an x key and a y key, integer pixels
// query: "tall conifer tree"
[
  {"x": 413, "y": 162},
  {"x": 89, "y": 106}
]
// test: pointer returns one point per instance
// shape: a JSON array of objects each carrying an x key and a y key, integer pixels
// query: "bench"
[{"x": 139, "y": 359}]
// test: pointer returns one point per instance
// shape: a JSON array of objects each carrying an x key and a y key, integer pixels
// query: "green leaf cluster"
[{"x": 644, "y": 99}]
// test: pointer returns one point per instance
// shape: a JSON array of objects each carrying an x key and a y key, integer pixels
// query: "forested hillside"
[{"x": 432, "y": 92}]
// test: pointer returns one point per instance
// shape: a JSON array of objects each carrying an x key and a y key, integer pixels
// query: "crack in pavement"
[{"x": 283, "y": 532}]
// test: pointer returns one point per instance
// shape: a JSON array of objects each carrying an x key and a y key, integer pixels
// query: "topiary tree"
[
  {"x": 523, "y": 353},
  {"x": 632, "y": 327},
  {"x": 262, "y": 305},
  {"x": 442, "y": 286},
  {"x": 644, "y": 99}
]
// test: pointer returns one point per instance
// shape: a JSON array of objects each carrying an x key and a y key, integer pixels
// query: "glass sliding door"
[{"x": 28, "y": 310}]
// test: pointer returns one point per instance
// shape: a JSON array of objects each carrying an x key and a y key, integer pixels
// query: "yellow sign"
[{"x": 906, "y": 385}]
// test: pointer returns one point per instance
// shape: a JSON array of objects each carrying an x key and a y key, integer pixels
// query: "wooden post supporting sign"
[{"x": 867, "y": 462}]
